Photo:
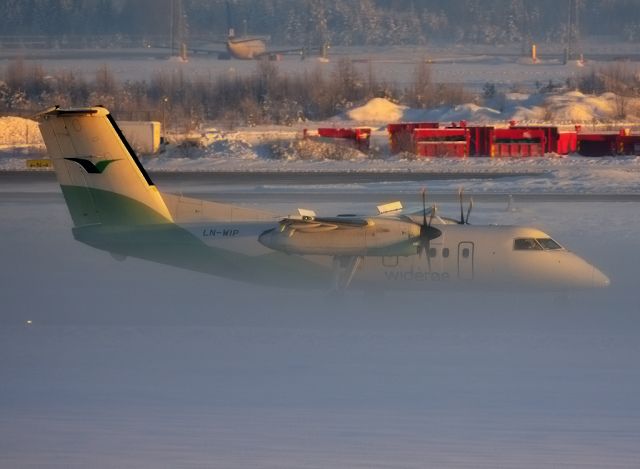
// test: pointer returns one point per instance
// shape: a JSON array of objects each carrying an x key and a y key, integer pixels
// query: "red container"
[
  {"x": 629, "y": 145},
  {"x": 442, "y": 149},
  {"x": 567, "y": 143},
  {"x": 449, "y": 133},
  {"x": 555, "y": 141},
  {"x": 515, "y": 142},
  {"x": 597, "y": 144},
  {"x": 441, "y": 142},
  {"x": 480, "y": 141},
  {"x": 359, "y": 135},
  {"x": 401, "y": 135},
  {"x": 331, "y": 132}
]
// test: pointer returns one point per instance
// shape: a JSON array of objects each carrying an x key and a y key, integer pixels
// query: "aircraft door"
[{"x": 465, "y": 260}]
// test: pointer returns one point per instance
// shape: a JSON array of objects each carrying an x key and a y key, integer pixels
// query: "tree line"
[
  {"x": 314, "y": 22},
  {"x": 263, "y": 97}
]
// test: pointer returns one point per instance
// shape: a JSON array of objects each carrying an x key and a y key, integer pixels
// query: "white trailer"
[{"x": 144, "y": 136}]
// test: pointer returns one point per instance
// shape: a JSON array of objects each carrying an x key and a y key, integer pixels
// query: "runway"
[
  {"x": 324, "y": 187},
  {"x": 109, "y": 363}
]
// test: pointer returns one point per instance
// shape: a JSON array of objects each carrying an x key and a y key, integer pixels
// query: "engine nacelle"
[{"x": 382, "y": 238}]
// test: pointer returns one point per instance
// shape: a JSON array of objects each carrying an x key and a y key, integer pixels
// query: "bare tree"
[{"x": 420, "y": 94}]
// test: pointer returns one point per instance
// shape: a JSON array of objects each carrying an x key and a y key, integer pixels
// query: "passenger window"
[
  {"x": 465, "y": 252},
  {"x": 548, "y": 243},
  {"x": 432, "y": 252},
  {"x": 445, "y": 252},
  {"x": 526, "y": 244}
]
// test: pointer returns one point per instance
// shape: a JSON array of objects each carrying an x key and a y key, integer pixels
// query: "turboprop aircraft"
[{"x": 116, "y": 207}]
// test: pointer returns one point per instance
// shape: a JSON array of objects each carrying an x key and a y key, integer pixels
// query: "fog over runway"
[{"x": 134, "y": 364}]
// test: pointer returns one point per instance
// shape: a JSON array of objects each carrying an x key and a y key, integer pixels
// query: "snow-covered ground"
[
  {"x": 132, "y": 364},
  {"x": 469, "y": 65},
  {"x": 281, "y": 149}
]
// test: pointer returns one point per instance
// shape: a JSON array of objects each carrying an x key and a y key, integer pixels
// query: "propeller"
[
  {"x": 464, "y": 220},
  {"x": 427, "y": 232}
]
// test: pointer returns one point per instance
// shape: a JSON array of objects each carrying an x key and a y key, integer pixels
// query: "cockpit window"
[
  {"x": 526, "y": 244},
  {"x": 535, "y": 244},
  {"x": 548, "y": 244}
]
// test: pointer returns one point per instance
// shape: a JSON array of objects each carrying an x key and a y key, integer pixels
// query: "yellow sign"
[{"x": 42, "y": 163}]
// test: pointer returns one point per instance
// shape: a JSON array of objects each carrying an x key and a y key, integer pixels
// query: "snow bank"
[
  {"x": 577, "y": 107},
  {"x": 19, "y": 131},
  {"x": 463, "y": 112},
  {"x": 377, "y": 110},
  {"x": 570, "y": 107},
  {"x": 380, "y": 110}
]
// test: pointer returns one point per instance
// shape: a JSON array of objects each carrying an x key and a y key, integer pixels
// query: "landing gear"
[{"x": 344, "y": 268}]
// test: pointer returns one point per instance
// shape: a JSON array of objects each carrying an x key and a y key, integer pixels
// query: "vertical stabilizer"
[{"x": 100, "y": 175}]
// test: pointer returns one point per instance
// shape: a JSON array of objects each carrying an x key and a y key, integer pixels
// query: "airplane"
[
  {"x": 254, "y": 48},
  {"x": 116, "y": 207},
  {"x": 247, "y": 47}
]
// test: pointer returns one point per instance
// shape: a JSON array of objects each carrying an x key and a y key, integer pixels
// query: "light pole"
[{"x": 165, "y": 100}]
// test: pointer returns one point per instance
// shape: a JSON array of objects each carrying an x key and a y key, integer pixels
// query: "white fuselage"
[
  {"x": 246, "y": 48},
  {"x": 469, "y": 254},
  {"x": 116, "y": 207}
]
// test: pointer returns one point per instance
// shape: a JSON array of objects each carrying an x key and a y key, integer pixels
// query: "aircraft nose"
[{"x": 599, "y": 280}]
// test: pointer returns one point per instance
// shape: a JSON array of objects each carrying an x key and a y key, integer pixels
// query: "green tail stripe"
[
  {"x": 101, "y": 165},
  {"x": 90, "y": 167},
  {"x": 89, "y": 206}
]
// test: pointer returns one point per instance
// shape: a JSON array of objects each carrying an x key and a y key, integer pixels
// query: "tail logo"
[{"x": 90, "y": 167}]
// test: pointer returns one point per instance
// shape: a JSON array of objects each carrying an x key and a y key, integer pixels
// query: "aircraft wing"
[
  {"x": 192, "y": 50},
  {"x": 272, "y": 52}
]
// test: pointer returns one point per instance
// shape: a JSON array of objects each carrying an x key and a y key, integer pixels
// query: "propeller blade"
[
  {"x": 427, "y": 233},
  {"x": 469, "y": 210},
  {"x": 424, "y": 206},
  {"x": 460, "y": 199},
  {"x": 433, "y": 214}
]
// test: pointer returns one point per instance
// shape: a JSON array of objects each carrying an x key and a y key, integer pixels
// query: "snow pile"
[
  {"x": 380, "y": 110},
  {"x": 311, "y": 150},
  {"x": 570, "y": 107},
  {"x": 19, "y": 131},
  {"x": 577, "y": 107},
  {"x": 377, "y": 110},
  {"x": 463, "y": 112},
  {"x": 221, "y": 144},
  {"x": 197, "y": 152}
]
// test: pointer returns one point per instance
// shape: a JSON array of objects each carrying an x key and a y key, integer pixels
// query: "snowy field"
[
  {"x": 471, "y": 65},
  {"x": 204, "y": 67},
  {"x": 111, "y": 364},
  {"x": 132, "y": 364}
]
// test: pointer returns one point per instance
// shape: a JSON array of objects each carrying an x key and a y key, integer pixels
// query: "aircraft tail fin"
[{"x": 101, "y": 178}]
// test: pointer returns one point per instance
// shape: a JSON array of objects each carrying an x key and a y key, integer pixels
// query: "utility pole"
[
  {"x": 525, "y": 28},
  {"x": 573, "y": 31},
  {"x": 171, "y": 26},
  {"x": 177, "y": 29}
]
